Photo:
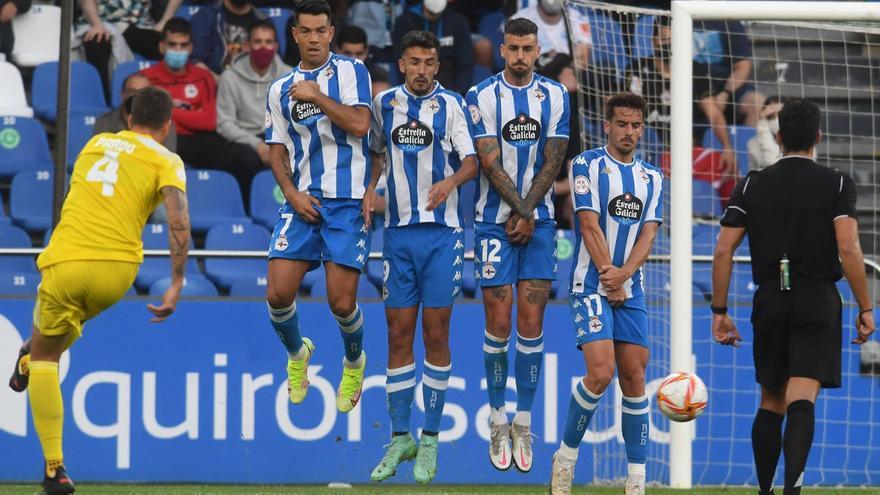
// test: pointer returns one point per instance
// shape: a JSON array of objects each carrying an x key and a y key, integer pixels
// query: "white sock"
[
  {"x": 635, "y": 469},
  {"x": 567, "y": 454},
  {"x": 357, "y": 363},
  {"x": 498, "y": 416},
  {"x": 523, "y": 418}
]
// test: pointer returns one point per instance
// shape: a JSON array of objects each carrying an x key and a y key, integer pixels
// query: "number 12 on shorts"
[{"x": 490, "y": 250}]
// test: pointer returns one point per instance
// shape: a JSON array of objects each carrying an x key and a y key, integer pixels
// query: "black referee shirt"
[{"x": 790, "y": 207}]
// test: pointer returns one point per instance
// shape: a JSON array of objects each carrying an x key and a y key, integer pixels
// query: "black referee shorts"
[{"x": 797, "y": 333}]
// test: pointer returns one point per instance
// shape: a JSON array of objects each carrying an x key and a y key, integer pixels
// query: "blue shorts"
[
  {"x": 498, "y": 262},
  {"x": 339, "y": 237},
  {"x": 595, "y": 319},
  {"x": 422, "y": 264}
]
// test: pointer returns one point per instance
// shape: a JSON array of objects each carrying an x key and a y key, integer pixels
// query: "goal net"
[{"x": 835, "y": 65}]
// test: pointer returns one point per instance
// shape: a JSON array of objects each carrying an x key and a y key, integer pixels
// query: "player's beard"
[{"x": 520, "y": 71}]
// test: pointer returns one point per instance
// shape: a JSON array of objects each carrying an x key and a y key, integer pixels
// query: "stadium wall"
[{"x": 203, "y": 398}]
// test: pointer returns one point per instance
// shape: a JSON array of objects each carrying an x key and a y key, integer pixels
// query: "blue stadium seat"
[
  {"x": 565, "y": 244},
  {"x": 23, "y": 146},
  {"x": 80, "y": 129},
  {"x": 491, "y": 27},
  {"x": 214, "y": 199},
  {"x": 650, "y": 146},
  {"x": 123, "y": 70},
  {"x": 705, "y": 199},
  {"x": 366, "y": 289},
  {"x": 194, "y": 286},
  {"x": 249, "y": 287},
  {"x": 16, "y": 284},
  {"x": 85, "y": 88},
  {"x": 310, "y": 279},
  {"x": 13, "y": 237},
  {"x": 153, "y": 268},
  {"x": 237, "y": 237},
  {"x": 30, "y": 200},
  {"x": 739, "y": 138},
  {"x": 266, "y": 199},
  {"x": 644, "y": 37},
  {"x": 279, "y": 17},
  {"x": 609, "y": 49},
  {"x": 187, "y": 11}
]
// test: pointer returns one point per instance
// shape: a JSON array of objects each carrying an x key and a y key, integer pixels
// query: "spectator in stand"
[
  {"x": 379, "y": 77},
  {"x": 763, "y": 148},
  {"x": 723, "y": 83},
  {"x": 194, "y": 93},
  {"x": 117, "y": 119},
  {"x": 557, "y": 60},
  {"x": 452, "y": 30},
  {"x": 241, "y": 100},
  {"x": 115, "y": 28},
  {"x": 351, "y": 41},
  {"x": 220, "y": 32},
  {"x": 8, "y": 10}
]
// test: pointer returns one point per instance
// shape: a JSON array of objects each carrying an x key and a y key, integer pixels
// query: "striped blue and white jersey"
[
  {"x": 424, "y": 139},
  {"x": 625, "y": 195},
  {"x": 522, "y": 119},
  {"x": 325, "y": 160}
]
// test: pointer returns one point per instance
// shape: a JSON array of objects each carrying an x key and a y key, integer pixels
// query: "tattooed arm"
[
  {"x": 490, "y": 164},
  {"x": 554, "y": 155},
  {"x": 178, "y": 243},
  {"x": 303, "y": 203}
]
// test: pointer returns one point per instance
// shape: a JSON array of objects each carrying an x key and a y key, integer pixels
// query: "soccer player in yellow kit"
[{"x": 94, "y": 255}]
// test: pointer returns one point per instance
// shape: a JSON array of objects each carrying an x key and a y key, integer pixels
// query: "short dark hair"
[
  {"x": 799, "y": 124},
  {"x": 520, "y": 27},
  {"x": 625, "y": 100},
  {"x": 262, "y": 24},
  {"x": 423, "y": 39},
  {"x": 132, "y": 76},
  {"x": 660, "y": 21},
  {"x": 151, "y": 108},
  {"x": 351, "y": 34},
  {"x": 177, "y": 25},
  {"x": 313, "y": 7}
]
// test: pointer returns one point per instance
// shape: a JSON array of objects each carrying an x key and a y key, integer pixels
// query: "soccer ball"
[{"x": 682, "y": 396}]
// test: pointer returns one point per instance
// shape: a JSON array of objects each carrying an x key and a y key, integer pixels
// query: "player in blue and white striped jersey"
[
  {"x": 421, "y": 137},
  {"x": 521, "y": 123},
  {"x": 617, "y": 202},
  {"x": 317, "y": 125}
]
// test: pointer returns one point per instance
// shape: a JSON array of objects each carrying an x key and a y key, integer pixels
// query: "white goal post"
[{"x": 683, "y": 15}]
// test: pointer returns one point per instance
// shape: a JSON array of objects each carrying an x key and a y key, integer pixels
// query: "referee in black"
[{"x": 801, "y": 221}]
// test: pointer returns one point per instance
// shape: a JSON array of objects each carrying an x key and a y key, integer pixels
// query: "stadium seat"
[
  {"x": 23, "y": 146},
  {"x": 249, "y": 287},
  {"x": 705, "y": 199},
  {"x": 279, "y": 17},
  {"x": 310, "y": 279},
  {"x": 609, "y": 49},
  {"x": 16, "y": 284},
  {"x": 122, "y": 71},
  {"x": 366, "y": 289},
  {"x": 13, "y": 237},
  {"x": 739, "y": 138},
  {"x": 80, "y": 128},
  {"x": 155, "y": 236},
  {"x": 187, "y": 11},
  {"x": 13, "y": 100},
  {"x": 193, "y": 286},
  {"x": 36, "y": 36},
  {"x": 87, "y": 94},
  {"x": 237, "y": 237},
  {"x": 643, "y": 47},
  {"x": 30, "y": 200},
  {"x": 266, "y": 199},
  {"x": 214, "y": 199}
]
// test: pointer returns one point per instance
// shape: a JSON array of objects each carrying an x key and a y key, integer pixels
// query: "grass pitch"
[{"x": 87, "y": 489}]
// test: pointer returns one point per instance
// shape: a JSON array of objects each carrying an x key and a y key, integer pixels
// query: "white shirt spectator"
[{"x": 554, "y": 37}]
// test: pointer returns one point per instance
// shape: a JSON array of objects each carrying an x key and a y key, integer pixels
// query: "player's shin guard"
[
  {"x": 580, "y": 412},
  {"x": 434, "y": 382},
  {"x": 634, "y": 425},
  {"x": 47, "y": 408},
  {"x": 766, "y": 446},
  {"x": 495, "y": 360},
  {"x": 796, "y": 443},
  {"x": 527, "y": 369},
  {"x": 286, "y": 324},
  {"x": 352, "y": 328},
  {"x": 400, "y": 385}
]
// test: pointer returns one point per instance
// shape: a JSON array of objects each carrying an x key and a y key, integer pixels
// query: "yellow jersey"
[{"x": 113, "y": 190}]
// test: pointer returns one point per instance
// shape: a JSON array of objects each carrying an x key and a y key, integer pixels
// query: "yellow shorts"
[{"x": 73, "y": 292}]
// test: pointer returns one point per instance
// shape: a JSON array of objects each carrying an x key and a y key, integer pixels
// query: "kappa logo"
[
  {"x": 458, "y": 244},
  {"x": 576, "y": 304},
  {"x": 457, "y": 230},
  {"x": 364, "y": 229},
  {"x": 581, "y": 332},
  {"x": 361, "y": 259},
  {"x": 578, "y": 318},
  {"x": 457, "y": 276},
  {"x": 362, "y": 244},
  {"x": 580, "y": 160},
  {"x": 456, "y": 290},
  {"x": 457, "y": 261}
]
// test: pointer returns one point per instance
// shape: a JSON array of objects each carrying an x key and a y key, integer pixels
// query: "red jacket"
[{"x": 194, "y": 94}]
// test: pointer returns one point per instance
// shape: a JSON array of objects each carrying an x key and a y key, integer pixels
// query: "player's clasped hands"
[
  {"x": 305, "y": 91},
  {"x": 305, "y": 206},
  {"x": 864, "y": 328},
  {"x": 612, "y": 279},
  {"x": 519, "y": 229},
  {"x": 724, "y": 330}
]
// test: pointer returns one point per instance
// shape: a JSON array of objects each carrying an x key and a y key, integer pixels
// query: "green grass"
[{"x": 87, "y": 489}]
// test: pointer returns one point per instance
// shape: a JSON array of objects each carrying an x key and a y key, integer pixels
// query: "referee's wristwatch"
[{"x": 718, "y": 310}]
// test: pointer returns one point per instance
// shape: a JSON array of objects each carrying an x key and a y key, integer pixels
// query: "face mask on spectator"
[
  {"x": 551, "y": 7},
  {"x": 773, "y": 125},
  {"x": 435, "y": 6},
  {"x": 176, "y": 59},
  {"x": 262, "y": 57}
]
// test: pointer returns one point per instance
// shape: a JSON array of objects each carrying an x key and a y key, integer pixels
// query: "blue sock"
[
  {"x": 352, "y": 327},
  {"x": 400, "y": 385},
  {"x": 580, "y": 411},
  {"x": 434, "y": 382},
  {"x": 527, "y": 369},
  {"x": 634, "y": 425},
  {"x": 286, "y": 324},
  {"x": 495, "y": 359}
]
